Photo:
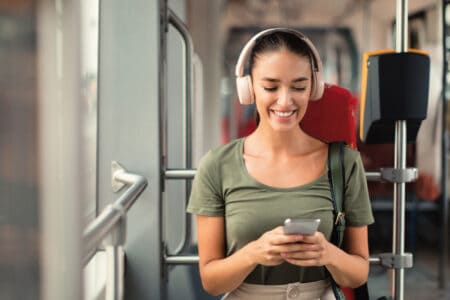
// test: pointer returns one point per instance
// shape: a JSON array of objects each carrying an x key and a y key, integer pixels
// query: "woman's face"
[{"x": 282, "y": 87}]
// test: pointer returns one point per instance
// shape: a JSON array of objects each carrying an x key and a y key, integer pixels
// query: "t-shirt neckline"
[{"x": 273, "y": 188}]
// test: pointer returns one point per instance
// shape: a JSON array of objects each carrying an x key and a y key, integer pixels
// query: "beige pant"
[{"x": 299, "y": 291}]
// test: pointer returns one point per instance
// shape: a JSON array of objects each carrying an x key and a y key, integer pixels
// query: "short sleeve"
[
  {"x": 206, "y": 196},
  {"x": 357, "y": 206}
]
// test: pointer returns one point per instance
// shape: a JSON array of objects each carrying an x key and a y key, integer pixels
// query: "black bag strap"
[{"x": 336, "y": 178}]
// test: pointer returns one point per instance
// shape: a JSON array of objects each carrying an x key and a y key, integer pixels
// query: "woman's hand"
[
  {"x": 267, "y": 249},
  {"x": 313, "y": 250}
]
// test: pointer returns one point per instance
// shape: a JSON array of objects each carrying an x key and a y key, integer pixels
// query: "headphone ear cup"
[
  {"x": 245, "y": 89},
  {"x": 317, "y": 86}
]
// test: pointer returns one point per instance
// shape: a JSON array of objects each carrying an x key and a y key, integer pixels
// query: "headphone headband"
[
  {"x": 239, "y": 71},
  {"x": 245, "y": 91}
]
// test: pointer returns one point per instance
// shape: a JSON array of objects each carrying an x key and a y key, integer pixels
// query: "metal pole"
[
  {"x": 398, "y": 236},
  {"x": 188, "y": 53},
  {"x": 373, "y": 176},
  {"x": 115, "y": 260},
  {"x": 443, "y": 256},
  {"x": 115, "y": 272},
  {"x": 180, "y": 173},
  {"x": 190, "y": 174},
  {"x": 163, "y": 133},
  {"x": 178, "y": 24},
  {"x": 398, "y": 239},
  {"x": 181, "y": 260}
]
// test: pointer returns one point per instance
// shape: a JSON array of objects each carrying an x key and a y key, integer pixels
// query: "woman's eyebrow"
[
  {"x": 270, "y": 79},
  {"x": 300, "y": 79}
]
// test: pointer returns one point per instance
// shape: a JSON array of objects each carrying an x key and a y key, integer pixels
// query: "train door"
[
  {"x": 147, "y": 69},
  {"x": 130, "y": 60}
]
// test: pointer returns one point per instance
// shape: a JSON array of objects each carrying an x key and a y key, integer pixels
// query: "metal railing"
[
  {"x": 175, "y": 259},
  {"x": 188, "y": 50},
  {"x": 109, "y": 228},
  {"x": 398, "y": 216}
]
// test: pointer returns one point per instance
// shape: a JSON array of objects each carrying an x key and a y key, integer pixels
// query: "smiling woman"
[
  {"x": 243, "y": 191},
  {"x": 282, "y": 86}
]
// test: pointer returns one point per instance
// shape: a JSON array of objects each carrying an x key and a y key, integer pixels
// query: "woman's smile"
[{"x": 284, "y": 115}]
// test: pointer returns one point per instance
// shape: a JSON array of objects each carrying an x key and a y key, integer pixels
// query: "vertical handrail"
[
  {"x": 188, "y": 53},
  {"x": 115, "y": 261},
  {"x": 398, "y": 235},
  {"x": 443, "y": 255},
  {"x": 163, "y": 115}
]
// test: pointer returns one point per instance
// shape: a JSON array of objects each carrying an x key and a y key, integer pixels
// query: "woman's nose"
[{"x": 285, "y": 98}]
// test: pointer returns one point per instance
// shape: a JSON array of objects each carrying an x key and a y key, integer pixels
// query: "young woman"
[{"x": 243, "y": 191}]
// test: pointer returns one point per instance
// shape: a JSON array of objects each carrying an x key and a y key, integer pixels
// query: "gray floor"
[{"x": 421, "y": 281}]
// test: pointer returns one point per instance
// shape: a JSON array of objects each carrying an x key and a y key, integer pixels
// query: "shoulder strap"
[{"x": 336, "y": 178}]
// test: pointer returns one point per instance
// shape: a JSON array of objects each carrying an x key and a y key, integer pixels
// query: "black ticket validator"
[{"x": 394, "y": 87}]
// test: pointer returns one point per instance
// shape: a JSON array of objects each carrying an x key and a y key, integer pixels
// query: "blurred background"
[{"x": 86, "y": 82}]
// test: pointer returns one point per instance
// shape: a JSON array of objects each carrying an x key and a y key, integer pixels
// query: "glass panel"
[{"x": 89, "y": 76}]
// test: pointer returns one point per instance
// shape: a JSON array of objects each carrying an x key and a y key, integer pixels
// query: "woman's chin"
[{"x": 284, "y": 127}]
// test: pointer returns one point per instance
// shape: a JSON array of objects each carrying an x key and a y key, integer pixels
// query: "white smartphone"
[{"x": 301, "y": 226}]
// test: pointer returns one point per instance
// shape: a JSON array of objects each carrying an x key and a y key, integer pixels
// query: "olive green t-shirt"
[{"x": 223, "y": 187}]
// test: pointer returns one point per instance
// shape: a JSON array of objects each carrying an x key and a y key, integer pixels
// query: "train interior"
[{"x": 106, "y": 108}]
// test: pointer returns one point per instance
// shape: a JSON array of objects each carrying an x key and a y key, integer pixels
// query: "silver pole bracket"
[
  {"x": 115, "y": 169},
  {"x": 399, "y": 261},
  {"x": 399, "y": 175}
]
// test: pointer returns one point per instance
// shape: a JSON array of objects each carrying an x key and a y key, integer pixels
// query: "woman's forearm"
[
  {"x": 348, "y": 270},
  {"x": 224, "y": 275}
]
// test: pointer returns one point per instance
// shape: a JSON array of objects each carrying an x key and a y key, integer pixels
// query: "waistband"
[{"x": 308, "y": 290}]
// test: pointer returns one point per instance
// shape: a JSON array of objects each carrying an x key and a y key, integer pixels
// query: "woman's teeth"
[{"x": 284, "y": 114}]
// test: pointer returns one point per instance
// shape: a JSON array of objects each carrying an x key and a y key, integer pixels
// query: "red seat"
[{"x": 332, "y": 118}]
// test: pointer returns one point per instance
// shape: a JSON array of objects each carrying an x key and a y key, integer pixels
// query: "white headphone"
[{"x": 244, "y": 82}]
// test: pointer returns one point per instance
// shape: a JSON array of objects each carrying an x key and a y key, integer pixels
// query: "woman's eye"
[
  {"x": 270, "y": 89},
  {"x": 300, "y": 89}
]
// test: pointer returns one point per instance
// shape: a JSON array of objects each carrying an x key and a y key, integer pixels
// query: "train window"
[{"x": 89, "y": 79}]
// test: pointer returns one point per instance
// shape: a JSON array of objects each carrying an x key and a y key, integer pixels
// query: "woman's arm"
[
  {"x": 222, "y": 274},
  {"x": 219, "y": 274},
  {"x": 349, "y": 268}
]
